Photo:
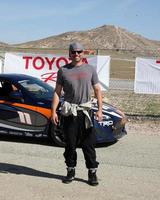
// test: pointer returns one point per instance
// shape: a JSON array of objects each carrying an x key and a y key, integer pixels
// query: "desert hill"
[
  {"x": 2, "y": 44},
  {"x": 104, "y": 37}
]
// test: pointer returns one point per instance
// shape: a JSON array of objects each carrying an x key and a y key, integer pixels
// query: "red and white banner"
[
  {"x": 147, "y": 76},
  {"x": 45, "y": 66}
]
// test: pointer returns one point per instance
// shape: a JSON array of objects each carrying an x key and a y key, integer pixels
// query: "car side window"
[
  {"x": 6, "y": 88},
  {"x": 36, "y": 89}
]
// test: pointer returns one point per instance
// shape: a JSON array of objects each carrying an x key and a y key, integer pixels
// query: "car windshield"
[{"x": 37, "y": 88}]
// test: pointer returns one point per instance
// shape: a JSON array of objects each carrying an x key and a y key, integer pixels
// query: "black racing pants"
[{"x": 76, "y": 134}]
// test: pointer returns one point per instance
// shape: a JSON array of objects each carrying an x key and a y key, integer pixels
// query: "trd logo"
[{"x": 106, "y": 123}]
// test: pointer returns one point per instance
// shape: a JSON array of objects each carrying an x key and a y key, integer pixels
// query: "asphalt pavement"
[{"x": 128, "y": 170}]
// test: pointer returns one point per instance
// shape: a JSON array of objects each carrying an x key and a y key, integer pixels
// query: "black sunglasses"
[{"x": 74, "y": 52}]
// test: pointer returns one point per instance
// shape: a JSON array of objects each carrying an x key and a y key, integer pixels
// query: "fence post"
[{"x": 97, "y": 51}]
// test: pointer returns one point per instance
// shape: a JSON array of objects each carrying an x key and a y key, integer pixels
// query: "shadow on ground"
[{"x": 7, "y": 168}]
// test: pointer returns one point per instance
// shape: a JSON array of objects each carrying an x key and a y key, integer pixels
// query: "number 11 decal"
[{"x": 24, "y": 117}]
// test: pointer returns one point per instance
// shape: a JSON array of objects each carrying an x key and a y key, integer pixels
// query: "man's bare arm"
[
  {"x": 98, "y": 95},
  {"x": 55, "y": 102}
]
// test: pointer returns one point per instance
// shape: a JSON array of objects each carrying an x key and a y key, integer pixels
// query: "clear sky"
[{"x": 22, "y": 21}]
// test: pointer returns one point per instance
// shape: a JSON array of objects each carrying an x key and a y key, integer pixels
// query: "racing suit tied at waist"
[{"x": 71, "y": 109}]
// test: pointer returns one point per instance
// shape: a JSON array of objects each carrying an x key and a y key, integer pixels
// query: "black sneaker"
[
  {"x": 70, "y": 175},
  {"x": 92, "y": 178}
]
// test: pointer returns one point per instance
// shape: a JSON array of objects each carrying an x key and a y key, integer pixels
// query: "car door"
[{"x": 17, "y": 117}]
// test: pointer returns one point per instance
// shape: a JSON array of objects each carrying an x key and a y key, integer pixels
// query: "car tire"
[{"x": 57, "y": 134}]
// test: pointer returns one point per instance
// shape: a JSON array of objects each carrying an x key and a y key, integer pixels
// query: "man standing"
[{"x": 77, "y": 79}]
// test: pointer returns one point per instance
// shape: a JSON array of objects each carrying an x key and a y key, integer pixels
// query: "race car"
[{"x": 25, "y": 110}]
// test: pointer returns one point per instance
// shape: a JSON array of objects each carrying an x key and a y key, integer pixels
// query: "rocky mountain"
[{"x": 104, "y": 37}]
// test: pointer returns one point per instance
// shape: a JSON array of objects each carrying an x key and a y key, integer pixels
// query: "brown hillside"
[
  {"x": 104, "y": 37},
  {"x": 2, "y": 44}
]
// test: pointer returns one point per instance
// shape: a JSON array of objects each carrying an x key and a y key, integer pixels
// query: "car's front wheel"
[{"x": 57, "y": 134}]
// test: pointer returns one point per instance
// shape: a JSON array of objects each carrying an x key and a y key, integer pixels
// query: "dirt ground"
[{"x": 143, "y": 126}]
